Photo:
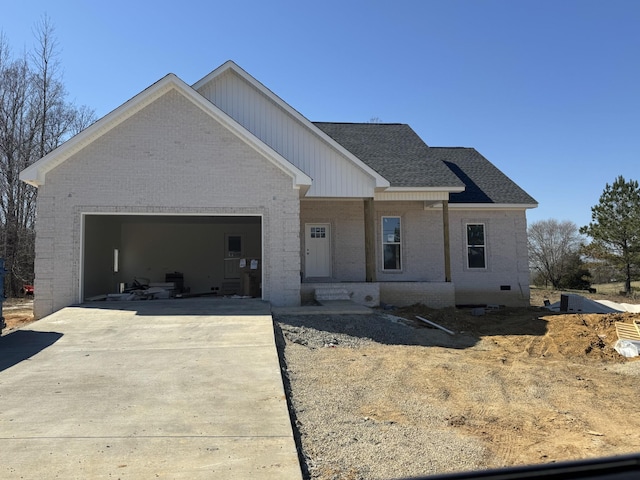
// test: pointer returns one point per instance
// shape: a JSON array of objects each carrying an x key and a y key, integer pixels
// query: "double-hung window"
[
  {"x": 476, "y": 246},
  {"x": 391, "y": 244}
]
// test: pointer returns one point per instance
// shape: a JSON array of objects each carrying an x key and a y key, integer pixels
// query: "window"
[
  {"x": 476, "y": 247},
  {"x": 233, "y": 246},
  {"x": 318, "y": 232},
  {"x": 391, "y": 245}
]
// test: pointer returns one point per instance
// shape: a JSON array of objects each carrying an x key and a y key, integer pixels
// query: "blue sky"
[{"x": 549, "y": 91}]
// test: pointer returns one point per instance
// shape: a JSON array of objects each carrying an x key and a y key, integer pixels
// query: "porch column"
[
  {"x": 369, "y": 240},
  {"x": 447, "y": 247}
]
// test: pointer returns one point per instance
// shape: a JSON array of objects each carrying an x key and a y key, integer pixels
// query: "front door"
[{"x": 317, "y": 250}]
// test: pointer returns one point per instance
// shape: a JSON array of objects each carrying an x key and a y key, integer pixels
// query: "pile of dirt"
[
  {"x": 569, "y": 336},
  {"x": 582, "y": 336}
]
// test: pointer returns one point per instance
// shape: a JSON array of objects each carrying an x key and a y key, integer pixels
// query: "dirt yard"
[
  {"x": 512, "y": 387},
  {"x": 17, "y": 312},
  {"x": 540, "y": 388}
]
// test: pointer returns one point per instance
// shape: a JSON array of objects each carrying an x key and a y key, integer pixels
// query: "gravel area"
[{"x": 346, "y": 429}]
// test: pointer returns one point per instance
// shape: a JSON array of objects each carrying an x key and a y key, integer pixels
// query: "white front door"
[{"x": 317, "y": 250}]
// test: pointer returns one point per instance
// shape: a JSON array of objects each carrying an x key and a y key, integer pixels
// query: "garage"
[
  {"x": 190, "y": 255},
  {"x": 166, "y": 188}
]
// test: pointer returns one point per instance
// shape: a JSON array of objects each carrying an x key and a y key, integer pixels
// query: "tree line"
[
  {"x": 35, "y": 118},
  {"x": 561, "y": 256}
]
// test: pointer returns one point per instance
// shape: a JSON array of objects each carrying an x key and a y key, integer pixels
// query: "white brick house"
[{"x": 203, "y": 179}]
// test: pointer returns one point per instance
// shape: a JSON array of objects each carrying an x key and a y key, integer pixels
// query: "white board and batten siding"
[{"x": 333, "y": 174}]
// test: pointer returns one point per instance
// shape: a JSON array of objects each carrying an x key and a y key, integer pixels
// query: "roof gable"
[
  {"x": 288, "y": 132},
  {"x": 35, "y": 174}
]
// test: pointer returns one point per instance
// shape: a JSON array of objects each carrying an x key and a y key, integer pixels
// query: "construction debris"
[
  {"x": 628, "y": 344},
  {"x": 139, "y": 290},
  {"x": 574, "y": 303},
  {"x": 434, "y": 324},
  {"x": 627, "y": 348},
  {"x": 628, "y": 331}
]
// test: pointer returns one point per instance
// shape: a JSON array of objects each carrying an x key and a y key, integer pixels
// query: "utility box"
[{"x": 251, "y": 277}]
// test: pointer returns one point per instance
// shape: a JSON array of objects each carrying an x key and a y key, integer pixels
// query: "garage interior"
[{"x": 201, "y": 255}]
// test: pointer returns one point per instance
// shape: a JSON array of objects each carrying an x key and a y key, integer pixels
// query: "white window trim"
[
  {"x": 383, "y": 243},
  {"x": 484, "y": 245}
]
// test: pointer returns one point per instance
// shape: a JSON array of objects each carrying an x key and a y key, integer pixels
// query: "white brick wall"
[
  {"x": 170, "y": 158},
  {"x": 507, "y": 258},
  {"x": 421, "y": 239}
]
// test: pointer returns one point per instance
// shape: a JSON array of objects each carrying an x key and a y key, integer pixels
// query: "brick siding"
[{"x": 169, "y": 158}]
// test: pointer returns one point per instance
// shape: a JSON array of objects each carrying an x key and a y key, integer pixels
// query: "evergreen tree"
[{"x": 615, "y": 228}]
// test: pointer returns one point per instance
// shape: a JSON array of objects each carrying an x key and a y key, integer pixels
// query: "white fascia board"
[
  {"x": 35, "y": 174},
  {"x": 334, "y": 199},
  {"x": 229, "y": 64},
  {"x": 426, "y": 189},
  {"x": 380, "y": 181}
]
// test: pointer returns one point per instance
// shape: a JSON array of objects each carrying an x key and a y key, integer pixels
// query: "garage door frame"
[{"x": 84, "y": 214}]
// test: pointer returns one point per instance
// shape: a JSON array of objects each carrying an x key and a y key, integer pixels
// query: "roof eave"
[{"x": 449, "y": 189}]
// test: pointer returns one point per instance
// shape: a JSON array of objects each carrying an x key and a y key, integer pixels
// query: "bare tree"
[
  {"x": 17, "y": 135},
  {"x": 553, "y": 247},
  {"x": 34, "y": 119}
]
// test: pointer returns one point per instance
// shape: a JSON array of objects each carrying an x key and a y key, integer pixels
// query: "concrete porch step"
[{"x": 324, "y": 294}]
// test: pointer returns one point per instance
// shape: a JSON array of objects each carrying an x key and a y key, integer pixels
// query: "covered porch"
[{"x": 347, "y": 252}]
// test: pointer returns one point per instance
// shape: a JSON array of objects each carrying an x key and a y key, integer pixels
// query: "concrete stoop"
[{"x": 327, "y": 294}]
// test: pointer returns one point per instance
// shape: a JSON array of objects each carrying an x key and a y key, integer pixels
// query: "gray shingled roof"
[
  {"x": 397, "y": 153},
  {"x": 484, "y": 183},
  {"x": 393, "y": 150}
]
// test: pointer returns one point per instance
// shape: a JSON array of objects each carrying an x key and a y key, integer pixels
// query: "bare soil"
[
  {"x": 17, "y": 312},
  {"x": 512, "y": 387}
]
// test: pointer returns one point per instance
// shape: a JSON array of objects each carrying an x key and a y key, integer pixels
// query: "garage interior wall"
[{"x": 149, "y": 247}]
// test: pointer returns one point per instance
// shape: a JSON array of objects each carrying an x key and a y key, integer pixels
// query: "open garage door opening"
[{"x": 189, "y": 255}]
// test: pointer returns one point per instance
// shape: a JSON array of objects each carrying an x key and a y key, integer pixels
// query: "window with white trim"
[
  {"x": 391, "y": 244},
  {"x": 476, "y": 246}
]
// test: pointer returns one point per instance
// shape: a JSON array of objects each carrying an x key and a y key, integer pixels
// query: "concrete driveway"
[{"x": 158, "y": 389}]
